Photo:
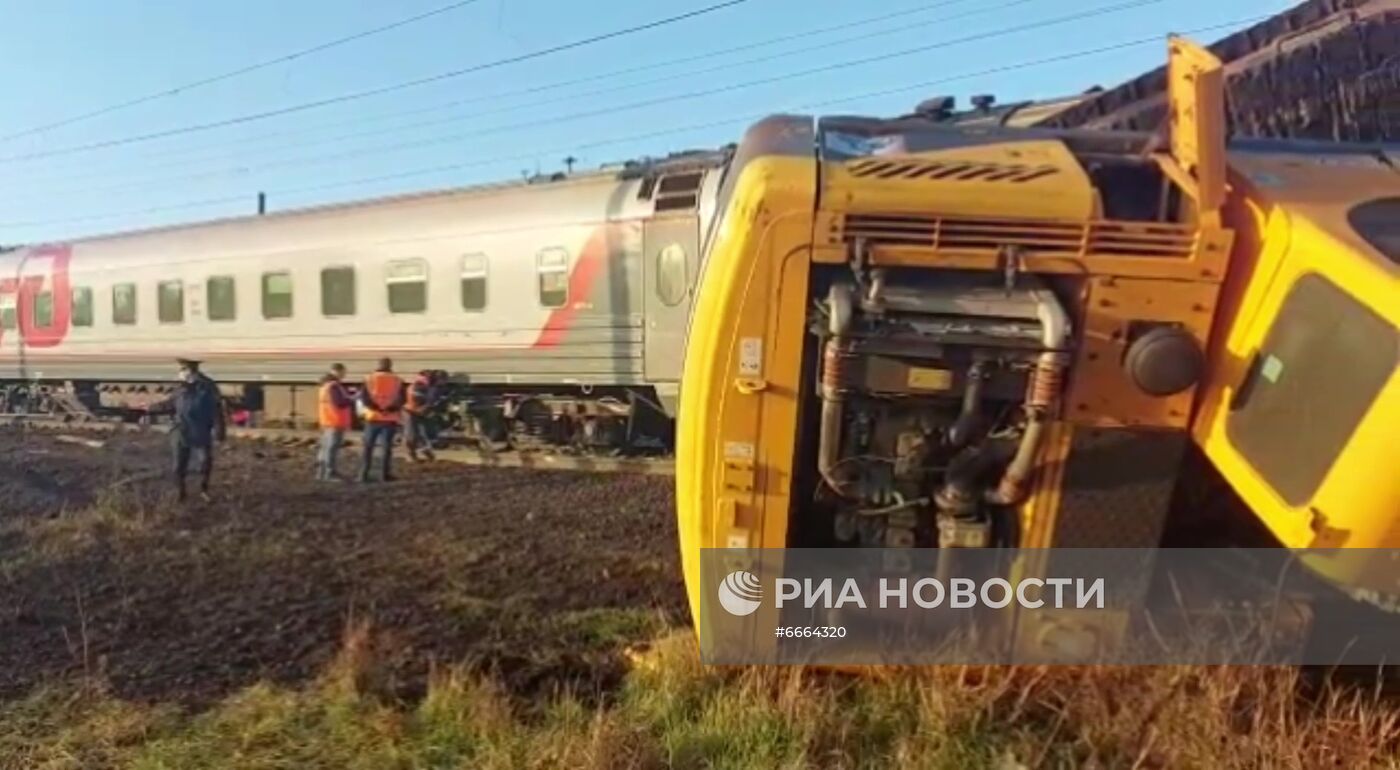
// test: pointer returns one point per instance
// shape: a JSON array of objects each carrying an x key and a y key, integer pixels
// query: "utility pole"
[{"x": 262, "y": 203}]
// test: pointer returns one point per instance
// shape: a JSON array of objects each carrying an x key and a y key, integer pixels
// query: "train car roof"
[{"x": 678, "y": 162}]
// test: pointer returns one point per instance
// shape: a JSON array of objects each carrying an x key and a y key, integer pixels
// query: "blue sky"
[{"x": 66, "y": 57}]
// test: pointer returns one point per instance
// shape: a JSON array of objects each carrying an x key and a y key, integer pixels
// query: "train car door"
[{"x": 670, "y": 247}]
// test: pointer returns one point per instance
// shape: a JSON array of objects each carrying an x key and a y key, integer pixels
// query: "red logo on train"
[{"x": 43, "y": 269}]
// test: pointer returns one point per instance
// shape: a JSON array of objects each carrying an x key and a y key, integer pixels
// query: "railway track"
[{"x": 465, "y": 455}]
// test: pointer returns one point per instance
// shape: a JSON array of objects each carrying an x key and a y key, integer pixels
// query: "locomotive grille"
[
  {"x": 1140, "y": 239},
  {"x": 677, "y": 191},
  {"x": 949, "y": 170}
]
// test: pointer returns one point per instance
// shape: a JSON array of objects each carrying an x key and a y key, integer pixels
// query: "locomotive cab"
[{"x": 931, "y": 335}]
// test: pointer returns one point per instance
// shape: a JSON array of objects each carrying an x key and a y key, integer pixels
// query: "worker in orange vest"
[
  {"x": 334, "y": 410},
  {"x": 423, "y": 395},
  {"x": 382, "y": 397}
]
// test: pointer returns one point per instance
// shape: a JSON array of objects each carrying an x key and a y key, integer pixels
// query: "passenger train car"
[{"x": 545, "y": 300}]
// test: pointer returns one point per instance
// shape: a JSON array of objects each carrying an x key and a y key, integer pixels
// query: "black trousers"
[{"x": 183, "y": 451}]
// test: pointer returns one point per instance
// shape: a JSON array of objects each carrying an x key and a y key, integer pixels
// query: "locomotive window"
[
  {"x": 553, "y": 266},
  {"x": 43, "y": 310},
  {"x": 408, "y": 286},
  {"x": 170, "y": 304},
  {"x": 124, "y": 304},
  {"x": 8, "y": 316},
  {"x": 1378, "y": 221},
  {"x": 82, "y": 306},
  {"x": 474, "y": 282},
  {"x": 219, "y": 293},
  {"x": 338, "y": 291},
  {"x": 1325, "y": 359},
  {"x": 671, "y": 279},
  {"x": 277, "y": 295}
]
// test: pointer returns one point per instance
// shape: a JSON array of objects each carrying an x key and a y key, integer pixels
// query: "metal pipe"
[
  {"x": 1013, "y": 485},
  {"x": 960, "y": 434},
  {"x": 839, "y": 303},
  {"x": 1041, "y": 396}
]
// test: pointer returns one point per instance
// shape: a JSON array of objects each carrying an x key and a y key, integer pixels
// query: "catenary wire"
[
  {"x": 139, "y": 184},
  {"x": 357, "y": 95},
  {"x": 670, "y": 98},
  {"x": 231, "y": 74},
  {"x": 556, "y": 85},
  {"x": 204, "y": 203}
]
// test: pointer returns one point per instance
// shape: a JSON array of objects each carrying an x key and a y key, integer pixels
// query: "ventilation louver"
[
  {"x": 1140, "y": 239},
  {"x": 677, "y": 191},
  {"x": 949, "y": 170}
]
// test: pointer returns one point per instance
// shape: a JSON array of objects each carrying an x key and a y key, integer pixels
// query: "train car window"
[
  {"x": 1378, "y": 221},
  {"x": 1322, "y": 365},
  {"x": 338, "y": 291},
  {"x": 124, "y": 304},
  {"x": 553, "y": 266},
  {"x": 407, "y": 282},
  {"x": 220, "y": 294},
  {"x": 82, "y": 306},
  {"x": 170, "y": 302},
  {"x": 277, "y": 295},
  {"x": 43, "y": 310},
  {"x": 9, "y": 316},
  {"x": 672, "y": 280},
  {"x": 474, "y": 282}
]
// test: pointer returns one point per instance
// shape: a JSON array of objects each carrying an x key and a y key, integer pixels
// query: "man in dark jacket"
[
  {"x": 198, "y": 409},
  {"x": 423, "y": 396}
]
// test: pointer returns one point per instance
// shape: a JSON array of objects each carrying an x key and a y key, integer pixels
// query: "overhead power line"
[
  {"x": 675, "y": 97},
  {"x": 195, "y": 84},
  {"x": 567, "y": 97},
  {"x": 560, "y": 84},
  {"x": 1015, "y": 66},
  {"x": 357, "y": 95}
]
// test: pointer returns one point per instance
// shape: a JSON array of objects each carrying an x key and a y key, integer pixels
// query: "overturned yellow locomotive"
[{"x": 914, "y": 333}]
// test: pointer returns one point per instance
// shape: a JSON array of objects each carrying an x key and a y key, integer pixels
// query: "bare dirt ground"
[{"x": 541, "y": 577}]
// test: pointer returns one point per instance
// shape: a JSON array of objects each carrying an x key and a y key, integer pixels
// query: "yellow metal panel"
[
  {"x": 967, "y": 181},
  {"x": 1196, "y": 94},
  {"x": 738, "y": 405},
  {"x": 1101, "y": 393}
]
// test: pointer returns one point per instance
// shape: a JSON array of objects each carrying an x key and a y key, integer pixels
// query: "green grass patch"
[{"x": 673, "y": 712}]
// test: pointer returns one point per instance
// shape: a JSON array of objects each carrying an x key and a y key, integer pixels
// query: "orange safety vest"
[
  {"x": 332, "y": 417},
  {"x": 384, "y": 390},
  {"x": 413, "y": 405}
]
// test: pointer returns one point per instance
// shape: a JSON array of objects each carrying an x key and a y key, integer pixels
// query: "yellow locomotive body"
[{"x": 909, "y": 333}]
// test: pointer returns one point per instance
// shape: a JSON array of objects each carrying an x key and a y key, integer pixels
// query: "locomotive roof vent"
[
  {"x": 937, "y": 108},
  {"x": 674, "y": 192}
]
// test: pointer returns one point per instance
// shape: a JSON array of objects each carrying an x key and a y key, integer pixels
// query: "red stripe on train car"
[{"x": 591, "y": 262}]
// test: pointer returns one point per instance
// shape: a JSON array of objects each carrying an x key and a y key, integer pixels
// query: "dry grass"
[{"x": 673, "y": 712}]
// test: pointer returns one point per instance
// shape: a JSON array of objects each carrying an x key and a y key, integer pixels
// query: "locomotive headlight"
[{"x": 1164, "y": 360}]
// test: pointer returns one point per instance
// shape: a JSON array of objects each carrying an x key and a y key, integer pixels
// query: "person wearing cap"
[
  {"x": 422, "y": 400},
  {"x": 198, "y": 409},
  {"x": 335, "y": 409},
  {"x": 382, "y": 398}
]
